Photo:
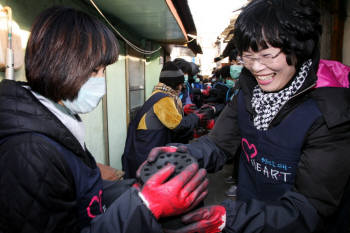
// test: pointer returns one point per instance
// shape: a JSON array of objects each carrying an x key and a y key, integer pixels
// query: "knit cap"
[{"x": 171, "y": 75}]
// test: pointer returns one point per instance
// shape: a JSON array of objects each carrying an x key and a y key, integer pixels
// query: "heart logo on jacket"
[{"x": 249, "y": 149}]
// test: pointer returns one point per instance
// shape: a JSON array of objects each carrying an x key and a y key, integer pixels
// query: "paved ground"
[{"x": 217, "y": 186}]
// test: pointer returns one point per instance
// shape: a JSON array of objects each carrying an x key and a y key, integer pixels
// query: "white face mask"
[{"x": 89, "y": 96}]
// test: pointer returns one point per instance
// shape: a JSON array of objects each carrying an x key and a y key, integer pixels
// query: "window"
[{"x": 136, "y": 78}]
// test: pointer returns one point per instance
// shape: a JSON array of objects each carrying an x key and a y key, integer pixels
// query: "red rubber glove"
[
  {"x": 210, "y": 124},
  {"x": 196, "y": 134},
  {"x": 137, "y": 186},
  {"x": 189, "y": 108},
  {"x": 208, "y": 108},
  {"x": 179, "y": 194},
  {"x": 205, "y": 91},
  {"x": 199, "y": 132},
  {"x": 209, "y": 219},
  {"x": 203, "y": 117}
]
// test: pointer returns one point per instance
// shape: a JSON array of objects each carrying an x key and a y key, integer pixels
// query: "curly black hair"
[{"x": 292, "y": 25}]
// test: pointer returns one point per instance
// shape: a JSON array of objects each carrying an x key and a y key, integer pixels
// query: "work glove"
[
  {"x": 199, "y": 132},
  {"x": 204, "y": 114},
  {"x": 177, "y": 195},
  {"x": 189, "y": 108},
  {"x": 203, "y": 117},
  {"x": 210, "y": 124},
  {"x": 209, "y": 110},
  {"x": 206, "y": 91},
  {"x": 209, "y": 219}
]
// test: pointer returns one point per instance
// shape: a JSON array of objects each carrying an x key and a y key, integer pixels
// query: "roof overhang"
[{"x": 156, "y": 20}]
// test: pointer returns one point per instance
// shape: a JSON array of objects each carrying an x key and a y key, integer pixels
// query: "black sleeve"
[
  {"x": 292, "y": 213},
  {"x": 323, "y": 170},
  {"x": 126, "y": 214},
  {"x": 208, "y": 155},
  {"x": 188, "y": 123},
  {"x": 212, "y": 150},
  {"x": 183, "y": 133},
  {"x": 37, "y": 188},
  {"x": 226, "y": 134}
]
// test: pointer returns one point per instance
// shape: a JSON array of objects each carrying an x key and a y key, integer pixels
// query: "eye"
[{"x": 267, "y": 56}]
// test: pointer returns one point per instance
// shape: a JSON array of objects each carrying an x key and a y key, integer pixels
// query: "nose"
[{"x": 256, "y": 66}]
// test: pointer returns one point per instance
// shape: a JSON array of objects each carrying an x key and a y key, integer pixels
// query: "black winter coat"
[
  {"x": 38, "y": 191},
  {"x": 319, "y": 201}
]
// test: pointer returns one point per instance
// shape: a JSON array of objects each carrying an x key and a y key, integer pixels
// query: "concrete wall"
[
  {"x": 346, "y": 39},
  {"x": 153, "y": 68},
  {"x": 94, "y": 135},
  {"x": 116, "y": 108}
]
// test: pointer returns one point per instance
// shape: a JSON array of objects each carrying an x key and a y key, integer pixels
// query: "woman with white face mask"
[{"x": 49, "y": 180}]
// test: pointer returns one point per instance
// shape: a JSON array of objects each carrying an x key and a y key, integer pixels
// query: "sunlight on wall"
[{"x": 19, "y": 42}]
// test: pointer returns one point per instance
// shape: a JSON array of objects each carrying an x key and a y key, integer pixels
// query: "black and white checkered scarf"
[{"x": 267, "y": 105}]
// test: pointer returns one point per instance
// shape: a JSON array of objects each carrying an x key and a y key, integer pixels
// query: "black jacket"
[
  {"x": 322, "y": 182},
  {"x": 38, "y": 190}
]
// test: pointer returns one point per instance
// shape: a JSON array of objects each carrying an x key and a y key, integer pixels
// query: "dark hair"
[
  {"x": 194, "y": 69},
  {"x": 292, "y": 25},
  {"x": 64, "y": 48},
  {"x": 184, "y": 65},
  {"x": 225, "y": 71},
  {"x": 232, "y": 56},
  {"x": 217, "y": 73}
]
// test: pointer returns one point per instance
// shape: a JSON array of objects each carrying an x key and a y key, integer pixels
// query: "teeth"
[{"x": 265, "y": 77}]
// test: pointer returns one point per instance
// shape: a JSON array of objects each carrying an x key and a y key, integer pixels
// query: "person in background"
[
  {"x": 198, "y": 81},
  {"x": 195, "y": 72},
  {"x": 160, "y": 120},
  {"x": 221, "y": 92},
  {"x": 226, "y": 88},
  {"x": 214, "y": 76},
  {"x": 198, "y": 91},
  {"x": 291, "y": 118},
  {"x": 235, "y": 71},
  {"x": 230, "y": 74},
  {"x": 49, "y": 180},
  {"x": 186, "y": 92}
]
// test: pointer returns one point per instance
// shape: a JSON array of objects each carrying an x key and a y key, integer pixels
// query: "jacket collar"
[{"x": 333, "y": 99}]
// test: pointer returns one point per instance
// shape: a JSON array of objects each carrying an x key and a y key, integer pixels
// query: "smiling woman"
[{"x": 292, "y": 139}]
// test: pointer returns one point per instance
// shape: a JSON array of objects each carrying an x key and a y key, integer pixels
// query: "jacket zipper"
[{"x": 306, "y": 89}]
